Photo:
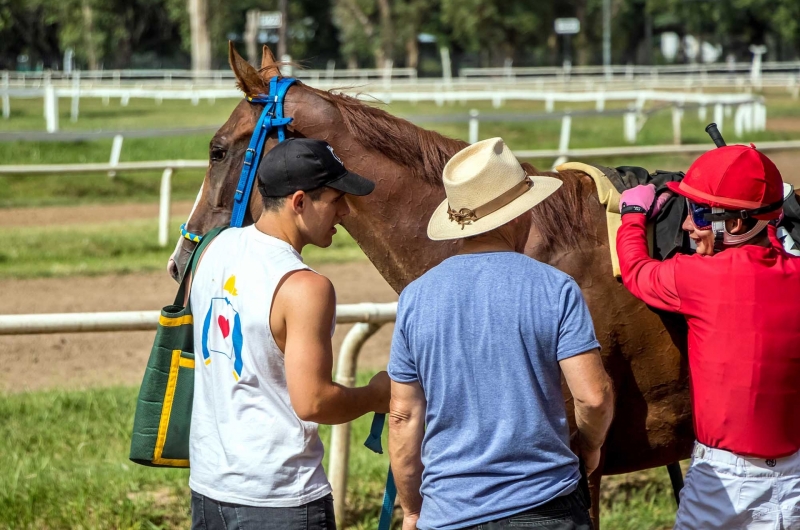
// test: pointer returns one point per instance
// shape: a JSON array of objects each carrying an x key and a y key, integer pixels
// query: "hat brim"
[
  {"x": 441, "y": 228},
  {"x": 352, "y": 183}
]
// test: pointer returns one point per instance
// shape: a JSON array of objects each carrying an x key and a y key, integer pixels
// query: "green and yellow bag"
[{"x": 164, "y": 407}]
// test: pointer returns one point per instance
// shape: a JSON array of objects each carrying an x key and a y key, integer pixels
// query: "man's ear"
[
  {"x": 734, "y": 226},
  {"x": 298, "y": 201}
]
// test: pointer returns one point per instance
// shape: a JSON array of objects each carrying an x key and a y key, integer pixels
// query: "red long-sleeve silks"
[{"x": 742, "y": 306}]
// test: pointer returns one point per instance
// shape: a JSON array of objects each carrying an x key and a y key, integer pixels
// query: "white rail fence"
[
  {"x": 367, "y": 317},
  {"x": 168, "y": 167},
  {"x": 51, "y": 94}
]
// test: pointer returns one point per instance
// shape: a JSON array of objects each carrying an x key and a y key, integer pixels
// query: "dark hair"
[{"x": 273, "y": 204}]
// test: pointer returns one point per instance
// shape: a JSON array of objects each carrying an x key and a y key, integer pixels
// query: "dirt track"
[{"x": 93, "y": 359}]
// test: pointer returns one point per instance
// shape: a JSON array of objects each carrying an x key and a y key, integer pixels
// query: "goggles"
[{"x": 698, "y": 213}]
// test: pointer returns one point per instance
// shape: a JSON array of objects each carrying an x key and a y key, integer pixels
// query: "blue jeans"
[
  {"x": 568, "y": 512},
  {"x": 208, "y": 514}
]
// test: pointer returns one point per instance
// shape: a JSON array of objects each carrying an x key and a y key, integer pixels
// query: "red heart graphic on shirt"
[{"x": 224, "y": 326}]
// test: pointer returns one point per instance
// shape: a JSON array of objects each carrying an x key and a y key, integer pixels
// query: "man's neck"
[
  {"x": 494, "y": 241},
  {"x": 273, "y": 225}
]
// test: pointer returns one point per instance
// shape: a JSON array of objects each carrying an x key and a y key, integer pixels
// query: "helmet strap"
[
  {"x": 723, "y": 238},
  {"x": 718, "y": 227}
]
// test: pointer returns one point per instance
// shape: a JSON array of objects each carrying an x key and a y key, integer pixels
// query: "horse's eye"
[{"x": 218, "y": 153}]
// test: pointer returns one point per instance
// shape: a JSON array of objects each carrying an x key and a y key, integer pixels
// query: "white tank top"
[{"x": 247, "y": 445}]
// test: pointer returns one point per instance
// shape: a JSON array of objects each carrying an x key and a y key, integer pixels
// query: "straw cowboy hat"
[{"x": 486, "y": 188}]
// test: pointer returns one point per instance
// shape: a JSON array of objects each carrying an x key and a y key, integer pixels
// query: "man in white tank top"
[{"x": 263, "y": 323}]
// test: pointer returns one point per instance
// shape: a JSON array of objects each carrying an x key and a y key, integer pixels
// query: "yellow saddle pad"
[{"x": 609, "y": 197}]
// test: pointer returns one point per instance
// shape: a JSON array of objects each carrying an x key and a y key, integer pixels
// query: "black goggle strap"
[{"x": 724, "y": 215}]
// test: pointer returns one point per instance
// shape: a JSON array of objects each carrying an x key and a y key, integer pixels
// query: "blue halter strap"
[{"x": 271, "y": 118}]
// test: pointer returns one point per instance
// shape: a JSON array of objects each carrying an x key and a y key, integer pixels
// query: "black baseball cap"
[{"x": 304, "y": 164}]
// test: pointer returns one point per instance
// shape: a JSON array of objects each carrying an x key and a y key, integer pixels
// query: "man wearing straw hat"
[{"x": 478, "y": 433}]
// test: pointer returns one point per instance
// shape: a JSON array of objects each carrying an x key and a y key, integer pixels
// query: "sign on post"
[
  {"x": 270, "y": 20},
  {"x": 567, "y": 26}
]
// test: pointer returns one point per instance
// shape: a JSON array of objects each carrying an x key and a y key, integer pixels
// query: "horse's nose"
[{"x": 172, "y": 268}]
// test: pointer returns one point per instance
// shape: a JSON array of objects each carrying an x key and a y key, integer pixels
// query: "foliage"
[{"x": 155, "y": 33}]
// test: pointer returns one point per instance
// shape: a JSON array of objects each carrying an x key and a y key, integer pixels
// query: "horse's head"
[{"x": 313, "y": 115}]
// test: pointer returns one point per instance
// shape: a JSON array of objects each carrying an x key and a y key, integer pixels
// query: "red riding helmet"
[{"x": 733, "y": 177}]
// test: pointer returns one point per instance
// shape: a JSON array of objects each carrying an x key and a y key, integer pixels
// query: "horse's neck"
[{"x": 390, "y": 224}]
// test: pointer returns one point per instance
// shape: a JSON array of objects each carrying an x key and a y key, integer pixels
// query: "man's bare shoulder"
[{"x": 305, "y": 290}]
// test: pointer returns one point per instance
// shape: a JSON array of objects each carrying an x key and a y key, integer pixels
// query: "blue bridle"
[{"x": 271, "y": 118}]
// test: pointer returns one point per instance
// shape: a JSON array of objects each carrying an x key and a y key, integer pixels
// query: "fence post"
[
  {"x": 76, "y": 91},
  {"x": 629, "y": 125},
  {"x": 718, "y": 115},
  {"x": 51, "y": 108},
  {"x": 600, "y": 105},
  {"x": 702, "y": 112},
  {"x": 566, "y": 130},
  {"x": 116, "y": 149},
  {"x": 164, "y": 207},
  {"x": 677, "y": 116},
  {"x": 473, "y": 125},
  {"x": 340, "y": 434},
  {"x": 6, "y": 99}
]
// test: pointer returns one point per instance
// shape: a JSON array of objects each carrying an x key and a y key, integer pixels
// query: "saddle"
[{"x": 665, "y": 235}]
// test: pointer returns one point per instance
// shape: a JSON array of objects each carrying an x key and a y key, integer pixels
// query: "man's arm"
[
  {"x": 593, "y": 395},
  {"x": 302, "y": 314},
  {"x": 648, "y": 279},
  {"x": 406, "y": 429}
]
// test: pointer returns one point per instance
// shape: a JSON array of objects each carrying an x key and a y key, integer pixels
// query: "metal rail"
[{"x": 147, "y": 320}]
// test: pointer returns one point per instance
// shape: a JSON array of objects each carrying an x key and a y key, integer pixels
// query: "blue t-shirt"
[{"x": 483, "y": 334}]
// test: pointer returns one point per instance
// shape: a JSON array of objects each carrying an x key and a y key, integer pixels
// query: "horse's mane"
[
  {"x": 562, "y": 220},
  {"x": 423, "y": 152}
]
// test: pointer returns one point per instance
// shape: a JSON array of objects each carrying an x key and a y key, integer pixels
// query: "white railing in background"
[
  {"x": 367, "y": 317},
  {"x": 167, "y": 167},
  {"x": 51, "y": 94}
]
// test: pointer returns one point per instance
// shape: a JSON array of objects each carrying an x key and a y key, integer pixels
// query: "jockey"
[{"x": 741, "y": 299}]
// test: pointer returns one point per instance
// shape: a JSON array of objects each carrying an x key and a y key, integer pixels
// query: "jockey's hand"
[{"x": 637, "y": 200}]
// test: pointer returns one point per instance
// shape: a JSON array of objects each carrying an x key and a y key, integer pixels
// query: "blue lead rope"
[{"x": 373, "y": 443}]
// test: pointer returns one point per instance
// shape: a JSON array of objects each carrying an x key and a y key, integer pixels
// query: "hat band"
[{"x": 466, "y": 216}]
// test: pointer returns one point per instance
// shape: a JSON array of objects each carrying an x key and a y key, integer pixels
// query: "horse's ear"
[
  {"x": 268, "y": 67},
  {"x": 247, "y": 78}
]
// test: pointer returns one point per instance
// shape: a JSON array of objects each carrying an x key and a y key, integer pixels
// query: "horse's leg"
[
  {"x": 676, "y": 477},
  {"x": 594, "y": 493},
  {"x": 594, "y": 490}
]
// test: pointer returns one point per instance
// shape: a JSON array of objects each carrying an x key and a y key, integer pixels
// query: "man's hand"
[
  {"x": 410, "y": 521},
  {"x": 381, "y": 385},
  {"x": 590, "y": 457}
]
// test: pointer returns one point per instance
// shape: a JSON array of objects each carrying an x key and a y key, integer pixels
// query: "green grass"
[
  {"x": 115, "y": 247},
  {"x": 63, "y": 464}
]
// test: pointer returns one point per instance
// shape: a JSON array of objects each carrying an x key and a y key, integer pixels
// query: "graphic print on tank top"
[{"x": 222, "y": 329}]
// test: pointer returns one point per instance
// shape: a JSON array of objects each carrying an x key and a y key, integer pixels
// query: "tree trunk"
[
  {"x": 88, "y": 35},
  {"x": 250, "y": 36},
  {"x": 412, "y": 51},
  {"x": 201, "y": 43},
  {"x": 387, "y": 32},
  {"x": 283, "y": 46}
]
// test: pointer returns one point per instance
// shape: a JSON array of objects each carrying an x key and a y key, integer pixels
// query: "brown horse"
[{"x": 643, "y": 351}]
